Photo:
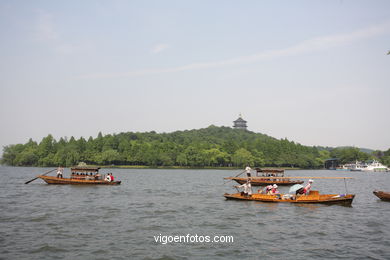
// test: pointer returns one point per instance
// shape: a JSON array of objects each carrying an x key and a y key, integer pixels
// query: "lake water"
[{"x": 40, "y": 221}]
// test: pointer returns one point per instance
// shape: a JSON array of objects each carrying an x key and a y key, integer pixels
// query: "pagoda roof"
[{"x": 240, "y": 120}]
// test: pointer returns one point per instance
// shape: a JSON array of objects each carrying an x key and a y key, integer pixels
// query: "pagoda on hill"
[{"x": 240, "y": 123}]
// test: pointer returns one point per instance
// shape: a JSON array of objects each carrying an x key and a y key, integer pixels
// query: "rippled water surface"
[{"x": 40, "y": 221}]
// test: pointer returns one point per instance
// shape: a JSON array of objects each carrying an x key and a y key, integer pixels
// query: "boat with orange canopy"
[{"x": 266, "y": 177}]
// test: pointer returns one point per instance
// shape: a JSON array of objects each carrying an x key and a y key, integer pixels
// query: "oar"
[
  {"x": 27, "y": 182},
  {"x": 345, "y": 183},
  {"x": 299, "y": 177},
  {"x": 233, "y": 177},
  {"x": 239, "y": 174}
]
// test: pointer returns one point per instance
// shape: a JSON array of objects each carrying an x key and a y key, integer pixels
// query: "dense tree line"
[
  {"x": 349, "y": 154},
  {"x": 353, "y": 154},
  {"x": 208, "y": 147}
]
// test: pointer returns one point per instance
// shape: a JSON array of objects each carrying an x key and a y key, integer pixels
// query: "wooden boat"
[
  {"x": 385, "y": 196},
  {"x": 80, "y": 176},
  {"x": 267, "y": 177},
  {"x": 260, "y": 181},
  {"x": 312, "y": 197}
]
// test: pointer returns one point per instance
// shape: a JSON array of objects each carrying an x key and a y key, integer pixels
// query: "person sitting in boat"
[
  {"x": 274, "y": 189},
  {"x": 268, "y": 189},
  {"x": 306, "y": 189},
  {"x": 247, "y": 192},
  {"x": 109, "y": 177},
  {"x": 97, "y": 176},
  {"x": 264, "y": 190},
  {"x": 248, "y": 171},
  {"x": 60, "y": 170}
]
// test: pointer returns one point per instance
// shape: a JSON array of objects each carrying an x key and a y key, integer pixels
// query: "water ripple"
[{"x": 40, "y": 221}]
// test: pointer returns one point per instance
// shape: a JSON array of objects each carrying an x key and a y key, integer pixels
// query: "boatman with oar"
[
  {"x": 248, "y": 171},
  {"x": 60, "y": 170},
  {"x": 247, "y": 192}
]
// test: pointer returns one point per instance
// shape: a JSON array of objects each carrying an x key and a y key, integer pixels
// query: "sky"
[{"x": 314, "y": 72}]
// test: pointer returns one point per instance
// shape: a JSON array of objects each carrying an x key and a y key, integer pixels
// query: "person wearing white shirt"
[
  {"x": 248, "y": 171},
  {"x": 247, "y": 188},
  {"x": 60, "y": 170}
]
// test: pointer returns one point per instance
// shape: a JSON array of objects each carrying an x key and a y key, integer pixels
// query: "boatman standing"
[
  {"x": 60, "y": 170},
  {"x": 248, "y": 171},
  {"x": 247, "y": 188}
]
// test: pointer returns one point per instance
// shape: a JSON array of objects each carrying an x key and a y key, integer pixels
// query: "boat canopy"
[
  {"x": 85, "y": 169},
  {"x": 270, "y": 172}
]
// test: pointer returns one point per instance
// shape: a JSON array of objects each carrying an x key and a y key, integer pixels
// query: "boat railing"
[
  {"x": 269, "y": 172},
  {"x": 85, "y": 176}
]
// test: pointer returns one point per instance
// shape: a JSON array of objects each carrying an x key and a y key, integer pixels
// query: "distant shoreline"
[
  {"x": 185, "y": 167},
  {"x": 165, "y": 167}
]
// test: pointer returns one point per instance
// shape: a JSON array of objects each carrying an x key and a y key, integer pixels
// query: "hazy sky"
[{"x": 315, "y": 72}]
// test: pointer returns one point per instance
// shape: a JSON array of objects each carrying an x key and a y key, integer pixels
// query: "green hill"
[
  {"x": 363, "y": 150},
  {"x": 208, "y": 147}
]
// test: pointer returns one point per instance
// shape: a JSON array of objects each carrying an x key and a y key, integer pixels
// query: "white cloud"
[
  {"x": 46, "y": 33},
  {"x": 307, "y": 46},
  {"x": 44, "y": 27},
  {"x": 159, "y": 48},
  {"x": 69, "y": 48}
]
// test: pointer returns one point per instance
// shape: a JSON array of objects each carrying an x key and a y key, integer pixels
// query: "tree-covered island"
[{"x": 208, "y": 147}]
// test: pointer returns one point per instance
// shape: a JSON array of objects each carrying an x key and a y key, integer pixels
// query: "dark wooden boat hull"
[
  {"x": 385, "y": 196},
  {"x": 62, "y": 181},
  {"x": 313, "y": 197},
  {"x": 257, "y": 181}
]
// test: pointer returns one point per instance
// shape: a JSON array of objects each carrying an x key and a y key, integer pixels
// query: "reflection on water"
[{"x": 40, "y": 221}]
